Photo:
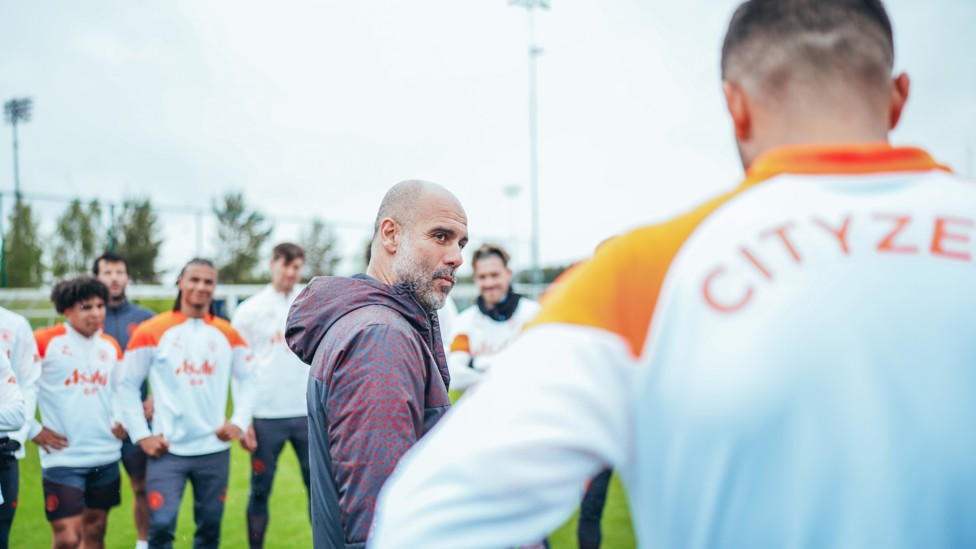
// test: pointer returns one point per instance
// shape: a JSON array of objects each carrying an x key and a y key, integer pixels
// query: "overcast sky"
[{"x": 316, "y": 108}]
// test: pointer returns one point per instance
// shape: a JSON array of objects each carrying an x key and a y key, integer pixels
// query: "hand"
[
  {"x": 154, "y": 446},
  {"x": 250, "y": 440},
  {"x": 228, "y": 432},
  {"x": 50, "y": 440},
  {"x": 148, "y": 407},
  {"x": 119, "y": 431}
]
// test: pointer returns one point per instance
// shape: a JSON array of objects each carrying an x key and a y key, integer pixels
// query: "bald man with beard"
[{"x": 378, "y": 378}]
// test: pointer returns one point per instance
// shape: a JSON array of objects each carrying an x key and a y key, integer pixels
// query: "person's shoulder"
[
  {"x": 110, "y": 341},
  {"x": 233, "y": 337},
  {"x": 374, "y": 322},
  {"x": 12, "y": 319},
  {"x": 149, "y": 332},
  {"x": 617, "y": 289},
  {"x": 44, "y": 336}
]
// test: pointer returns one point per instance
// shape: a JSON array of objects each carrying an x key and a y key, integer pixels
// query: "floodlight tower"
[
  {"x": 534, "y": 52},
  {"x": 15, "y": 111}
]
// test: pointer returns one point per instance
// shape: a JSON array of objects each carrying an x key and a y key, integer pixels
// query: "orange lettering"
[
  {"x": 781, "y": 233},
  {"x": 840, "y": 233},
  {"x": 710, "y": 300},
  {"x": 756, "y": 263},
  {"x": 887, "y": 244},
  {"x": 941, "y": 234}
]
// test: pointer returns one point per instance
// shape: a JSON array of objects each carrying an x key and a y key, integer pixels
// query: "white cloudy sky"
[{"x": 316, "y": 108}]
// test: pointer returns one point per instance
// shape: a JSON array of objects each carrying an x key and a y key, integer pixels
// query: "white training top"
[
  {"x": 790, "y": 365},
  {"x": 281, "y": 375},
  {"x": 17, "y": 344},
  {"x": 12, "y": 410},
  {"x": 477, "y": 339},
  {"x": 76, "y": 396},
  {"x": 189, "y": 362}
]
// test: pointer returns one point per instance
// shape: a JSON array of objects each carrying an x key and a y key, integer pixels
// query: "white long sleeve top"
[
  {"x": 189, "y": 363},
  {"x": 280, "y": 374},
  {"x": 76, "y": 396},
  {"x": 18, "y": 345}
]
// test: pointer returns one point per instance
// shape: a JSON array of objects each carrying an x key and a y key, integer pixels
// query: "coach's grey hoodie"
[{"x": 378, "y": 381}]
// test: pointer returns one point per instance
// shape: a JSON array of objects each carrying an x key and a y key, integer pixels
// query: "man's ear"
[
  {"x": 899, "y": 96},
  {"x": 391, "y": 235},
  {"x": 738, "y": 105}
]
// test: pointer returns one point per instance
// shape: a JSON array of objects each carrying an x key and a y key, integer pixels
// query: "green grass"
[{"x": 288, "y": 528}]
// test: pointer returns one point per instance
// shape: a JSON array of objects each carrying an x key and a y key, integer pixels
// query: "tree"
[
  {"x": 77, "y": 238},
  {"x": 22, "y": 248},
  {"x": 135, "y": 228},
  {"x": 321, "y": 253},
  {"x": 240, "y": 235}
]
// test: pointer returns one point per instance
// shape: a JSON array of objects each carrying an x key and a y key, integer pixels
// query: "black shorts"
[{"x": 68, "y": 491}]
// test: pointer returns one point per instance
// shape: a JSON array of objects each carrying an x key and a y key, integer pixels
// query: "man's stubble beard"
[{"x": 407, "y": 268}]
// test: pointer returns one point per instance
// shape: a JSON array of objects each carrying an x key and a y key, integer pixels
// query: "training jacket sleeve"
[
  {"x": 26, "y": 365},
  {"x": 135, "y": 368},
  {"x": 12, "y": 410},
  {"x": 459, "y": 358},
  {"x": 243, "y": 389},
  {"x": 375, "y": 408}
]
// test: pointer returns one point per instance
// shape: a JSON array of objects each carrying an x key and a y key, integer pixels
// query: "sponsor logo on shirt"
[
  {"x": 197, "y": 374},
  {"x": 90, "y": 382}
]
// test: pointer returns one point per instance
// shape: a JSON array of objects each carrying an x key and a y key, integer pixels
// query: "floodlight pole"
[
  {"x": 14, "y": 111},
  {"x": 534, "y": 52}
]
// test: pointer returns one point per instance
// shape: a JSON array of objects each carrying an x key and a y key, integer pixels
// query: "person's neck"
[
  {"x": 819, "y": 131},
  {"x": 116, "y": 301},
  {"x": 192, "y": 311},
  {"x": 382, "y": 272},
  {"x": 282, "y": 289}
]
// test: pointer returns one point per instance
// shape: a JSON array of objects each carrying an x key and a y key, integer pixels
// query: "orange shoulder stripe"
[
  {"x": 43, "y": 336},
  {"x": 617, "y": 290},
  {"x": 461, "y": 343},
  {"x": 225, "y": 328},
  {"x": 118, "y": 348},
  {"x": 151, "y": 331}
]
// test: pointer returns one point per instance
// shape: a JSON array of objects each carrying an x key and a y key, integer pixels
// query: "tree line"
[{"x": 30, "y": 259}]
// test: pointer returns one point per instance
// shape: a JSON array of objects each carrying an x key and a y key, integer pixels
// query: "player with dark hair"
[
  {"x": 79, "y": 433},
  {"x": 189, "y": 356},
  {"x": 121, "y": 319},
  {"x": 280, "y": 413},
  {"x": 786, "y": 365}
]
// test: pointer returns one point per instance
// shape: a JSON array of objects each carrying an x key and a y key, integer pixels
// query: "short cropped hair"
[
  {"x": 109, "y": 257},
  {"x": 400, "y": 203},
  {"x": 290, "y": 252},
  {"x": 814, "y": 41},
  {"x": 488, "y": 250},
  {"x": 67, "y": 293}
]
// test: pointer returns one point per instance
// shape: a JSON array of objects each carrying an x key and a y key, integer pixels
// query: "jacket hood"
[{"x": 326, "y": 299}]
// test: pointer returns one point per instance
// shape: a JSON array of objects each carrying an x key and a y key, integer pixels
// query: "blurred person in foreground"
[
  {"x": 379, "y": 378},
  {"x": 189, "y": 355},
  {"x": 280, "y": 413},
  {"x": 121, "y": 319},
  {"x": 17, "y": 343},
  {"x": 786, "y": 365},
  {"x": 79, "y": 434}
]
